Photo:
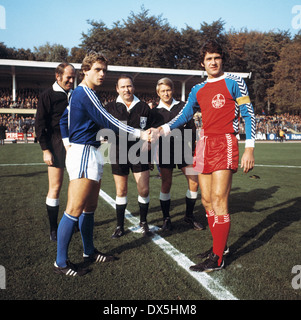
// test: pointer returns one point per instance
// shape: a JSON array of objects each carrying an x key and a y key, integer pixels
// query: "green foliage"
[
  {"x": 286, "y": 92},
  {"x": 145, "y": 40},
  {"x": 48, "y": 52},
  {"x": 141, "y": 40}
]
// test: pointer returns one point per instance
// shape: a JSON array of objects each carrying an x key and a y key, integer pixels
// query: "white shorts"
[{"x": 84, "y": 161}]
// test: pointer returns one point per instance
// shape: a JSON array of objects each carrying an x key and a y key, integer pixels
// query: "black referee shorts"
[
  {"x": 124, "y": 169},
  {"x": 173, "y": 166},
  {"x": 58, "y": 150}
]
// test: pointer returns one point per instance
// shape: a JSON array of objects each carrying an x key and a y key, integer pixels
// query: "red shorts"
[{"x": 216, "y": 152}]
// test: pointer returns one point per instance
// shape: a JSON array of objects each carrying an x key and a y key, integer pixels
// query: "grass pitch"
[{"x": 264, "y": 238}]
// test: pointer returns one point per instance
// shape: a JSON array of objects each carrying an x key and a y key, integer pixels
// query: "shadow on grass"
[
  {"x": 288, "y": 213},
  {"x": 284, "y": 214}
]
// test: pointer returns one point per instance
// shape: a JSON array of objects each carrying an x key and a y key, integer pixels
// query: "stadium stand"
[
  {"x": 17, "y": 74},
  {"x": 21, "y": 82}
]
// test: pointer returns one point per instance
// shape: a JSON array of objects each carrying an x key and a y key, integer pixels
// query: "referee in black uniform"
[
  {"x": 167, "y": 109},
  {"x": 52, "y": 103},
  {"x": 128, "y": 108}
]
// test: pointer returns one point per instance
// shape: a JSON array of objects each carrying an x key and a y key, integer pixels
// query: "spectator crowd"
[
  {"x": 28, "y": 99},
  {"x": 271, "y": 124},
  {"x": 25, "y": 99}
]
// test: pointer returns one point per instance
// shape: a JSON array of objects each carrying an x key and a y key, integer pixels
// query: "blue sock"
[
  {"x": 64, "y": 235},
  {"x": 86, "y": 226}
]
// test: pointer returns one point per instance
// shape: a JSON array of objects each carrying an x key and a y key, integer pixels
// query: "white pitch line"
[
  {"x": 276, "y": 166},
  {"x": 211, "y": 285},
  {"x": 20, "y": 164}
]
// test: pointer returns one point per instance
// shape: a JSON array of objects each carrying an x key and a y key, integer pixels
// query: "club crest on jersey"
[
  {"x": 143, "y": 121},
  {"x": 218, "y": 101}
]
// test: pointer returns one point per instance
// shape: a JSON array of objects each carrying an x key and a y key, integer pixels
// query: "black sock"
[
  {"x": 53, "y": 213},
  {"x": 165, "y": 206},
  {"x": 143, "y": 211},
  {"x": 120, "y": 210},
  {"x": 190, "y": 203}
]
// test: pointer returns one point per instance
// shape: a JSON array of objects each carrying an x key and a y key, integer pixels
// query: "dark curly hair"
[{"x": 212, "y": 46}]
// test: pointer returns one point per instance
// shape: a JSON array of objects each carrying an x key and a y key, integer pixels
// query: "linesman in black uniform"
[
  {"x": 166, "y": 110},
  {"x": 128, "y": 108},
  {"x": 52, "y": 103}
]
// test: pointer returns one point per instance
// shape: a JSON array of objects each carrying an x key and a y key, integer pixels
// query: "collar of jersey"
[
  {"x": 132, "y": 105},
  {"x": 162, "y": 105},
  {"x": 217, "y": 79}
]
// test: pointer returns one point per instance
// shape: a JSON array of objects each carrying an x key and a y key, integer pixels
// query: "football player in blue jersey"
[{"x": 86, "y": 116}]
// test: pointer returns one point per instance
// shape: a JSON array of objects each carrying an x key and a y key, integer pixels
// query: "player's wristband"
[
  {"x": 250, "y": 143},
  {"x": 137, "y": 133},
  {"x": 166, "y": 129}
]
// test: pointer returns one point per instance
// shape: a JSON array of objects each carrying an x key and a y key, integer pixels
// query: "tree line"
[{"x": 145, "y": 40}]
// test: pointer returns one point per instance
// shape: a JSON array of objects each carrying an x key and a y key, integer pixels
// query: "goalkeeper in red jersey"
[{"x": 221, "y": 98}]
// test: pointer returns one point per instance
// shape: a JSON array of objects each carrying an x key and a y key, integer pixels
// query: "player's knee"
[
  {"x": 143, "y": 192},
  {"x": 206, "y": 203}
]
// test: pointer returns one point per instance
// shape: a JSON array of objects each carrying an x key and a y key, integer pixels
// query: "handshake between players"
[{"x": 152, "y": 134}]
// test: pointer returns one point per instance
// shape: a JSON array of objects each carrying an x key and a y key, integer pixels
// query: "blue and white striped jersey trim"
[{"x": 94, "y": 99}]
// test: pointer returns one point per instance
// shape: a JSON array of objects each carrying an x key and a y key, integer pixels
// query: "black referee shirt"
[
  {"x": 52, "y": 103},
  {"x": 139, "y": 116},
  {"x": 161, "y": 116}
]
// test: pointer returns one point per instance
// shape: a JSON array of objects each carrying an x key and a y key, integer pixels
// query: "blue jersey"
[{"x": 85, "y": 116}]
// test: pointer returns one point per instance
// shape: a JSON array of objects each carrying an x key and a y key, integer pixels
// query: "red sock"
[
  {"x": 210, "y": 218},
  {"x": 221, "y": 228}
]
